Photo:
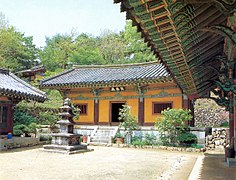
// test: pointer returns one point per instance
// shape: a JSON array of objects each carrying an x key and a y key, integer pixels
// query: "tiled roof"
[
  {"x": 12, "y": 86},
  {"x": 92, "y": 76}
]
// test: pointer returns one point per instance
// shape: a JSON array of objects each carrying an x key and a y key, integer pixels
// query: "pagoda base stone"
[
  {"x": 66, "y": 143},
  {"x": 66, "y": 149}
]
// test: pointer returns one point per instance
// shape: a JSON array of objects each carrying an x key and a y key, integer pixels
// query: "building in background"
[
  {"x": 12, "y": 91},
  {"x": 100, "y": 91}
]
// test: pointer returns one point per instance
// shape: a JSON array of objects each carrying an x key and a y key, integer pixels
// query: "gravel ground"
[{"x": 101, "y": 164}]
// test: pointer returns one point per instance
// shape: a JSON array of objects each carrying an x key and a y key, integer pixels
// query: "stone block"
[{"x": 231, "y": 162}]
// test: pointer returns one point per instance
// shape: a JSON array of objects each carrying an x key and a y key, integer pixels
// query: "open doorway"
[{"x": 115, "y": 108}]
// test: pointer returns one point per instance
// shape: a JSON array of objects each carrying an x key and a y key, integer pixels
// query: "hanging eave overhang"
[
  {"x": 177, "y": 33},
  {"x": 21, "y": 96}
]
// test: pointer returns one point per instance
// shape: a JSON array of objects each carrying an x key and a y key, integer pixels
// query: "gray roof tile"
[
  {"x": 97, "y": 75},
  {"x": 11, "y": 85}
]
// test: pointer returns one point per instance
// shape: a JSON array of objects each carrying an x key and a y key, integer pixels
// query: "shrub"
[
  {"x": 186, "y": 138},
  {"x": 150, "y": 139},
  {"x": 21, "y": 117},
  {"x": 48, "y": 118},
  {"x": 128, "y": 121},
  {"x": 138, "y": 142},
  {"x": 21, "y": 129},
  {"x": 33, "y": 128},
  {"x": 172, "y": 124},
  {"x": 45, "y": 137},
  {"x": 197, "y": 146}
]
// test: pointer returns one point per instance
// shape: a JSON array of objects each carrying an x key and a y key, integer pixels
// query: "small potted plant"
[
  {"x": 119, "y": 138},
  {"x": 128, "y": 122}
]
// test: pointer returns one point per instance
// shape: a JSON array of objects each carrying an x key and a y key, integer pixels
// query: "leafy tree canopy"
[{"x": 17, "y": 51}]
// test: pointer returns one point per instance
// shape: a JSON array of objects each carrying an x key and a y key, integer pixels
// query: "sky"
[{"x": 40, "y": 18}]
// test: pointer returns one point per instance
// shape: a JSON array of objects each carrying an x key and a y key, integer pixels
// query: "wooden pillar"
[
  {"x": 141, "y": 111},
  {"x": 96, "y": 111},
  {"x": 235, "y": 122},
  {"x": 231, "y": 119},
  {"x": 187, "y": 104}
]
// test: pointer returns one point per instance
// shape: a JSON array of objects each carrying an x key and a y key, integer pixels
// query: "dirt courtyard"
[{"x": 103, "y": 163}]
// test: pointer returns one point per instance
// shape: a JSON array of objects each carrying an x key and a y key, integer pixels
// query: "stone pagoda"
[{"x": 65, "y": 141}]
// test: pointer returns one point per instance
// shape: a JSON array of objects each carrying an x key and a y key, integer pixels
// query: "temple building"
[
  {"x": 12, "y": 91},
  {"x": 100, "y": 91},
  {"x": 32, "y": 74},
  {"x": 196, "y": 41}
]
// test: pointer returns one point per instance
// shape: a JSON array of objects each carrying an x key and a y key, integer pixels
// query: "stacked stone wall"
[
  {"x": 218, "y": 139},
  {"x": 207, "y": 117}
]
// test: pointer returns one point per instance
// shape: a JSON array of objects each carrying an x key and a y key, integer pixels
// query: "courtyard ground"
[{"x": 103, "y": 163}]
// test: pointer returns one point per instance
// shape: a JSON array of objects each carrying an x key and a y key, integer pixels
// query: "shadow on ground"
[{"x": 215, "y": 167}]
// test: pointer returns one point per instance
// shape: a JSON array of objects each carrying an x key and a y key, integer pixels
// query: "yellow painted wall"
[
  {"x": 104, "y": 107},
  {"x": 104, "y": 104},
  {"x": 89, "y": 117},
  {"x": 149, "y": 117}
]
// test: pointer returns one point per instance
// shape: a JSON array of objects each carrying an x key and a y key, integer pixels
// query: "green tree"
[
  {"x": 56, "y": 53},
  {"x": 17, "y": 51},
  {"x": 136, "y": 49},
  {"x": 86, "y": 51},
  {"x": 112, "y": 47}
]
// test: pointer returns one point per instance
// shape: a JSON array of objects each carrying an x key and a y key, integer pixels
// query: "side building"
[
  {"x": 12, "y": 91},
  {"x": 100, "y": 91}
]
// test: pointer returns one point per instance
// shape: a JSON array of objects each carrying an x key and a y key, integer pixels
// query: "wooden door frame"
[
  {"x": 10, "y": 114},
  {"x": 110, "y": 111}
]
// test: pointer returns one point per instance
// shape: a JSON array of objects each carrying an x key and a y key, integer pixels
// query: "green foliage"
[
  {"x": 48, "y": 118},
  {"x": 128, "y": 121},
  {"x": 224, "y": 124},
  {"x": 186, "y": 138},
  {"x": 17, "y": 51},
  {"x": 150, "y": 139},
  {"x": 138, "y": 142},
  {"x": 45, "y": 137},
  {"x": 136, "y": 49},
  {"x": 64, "y": 50},
  {"x": 76, "y": 112},
  {"x": 172, "y": 124},
  {"x": 22, "y": 117},
  {"x": 33, "y": 128},
  {"x": 119, "y": 135},
  {"x": 53, "y": 102},
  {"x": 40, "y": 113},
  {"x": 20, "y": 129},
  {"x": 196, "y": 146}
]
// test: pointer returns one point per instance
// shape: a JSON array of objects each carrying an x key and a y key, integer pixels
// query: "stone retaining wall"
[
  {"x": 218, "y": 140},
  {"x": 210, "y": 117},
  {"x": 17, "y": 142}
]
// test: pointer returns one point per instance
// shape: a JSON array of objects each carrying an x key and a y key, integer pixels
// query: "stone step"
[
  {"x": 106, "y": 128},
  {"x": 102, "y": 130},
  {"x": 99, "y": 140},
  {"x": 100, "y": 137},
  {"x": 99, "y": 144},
  {"x": 103, "y": 134}
]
